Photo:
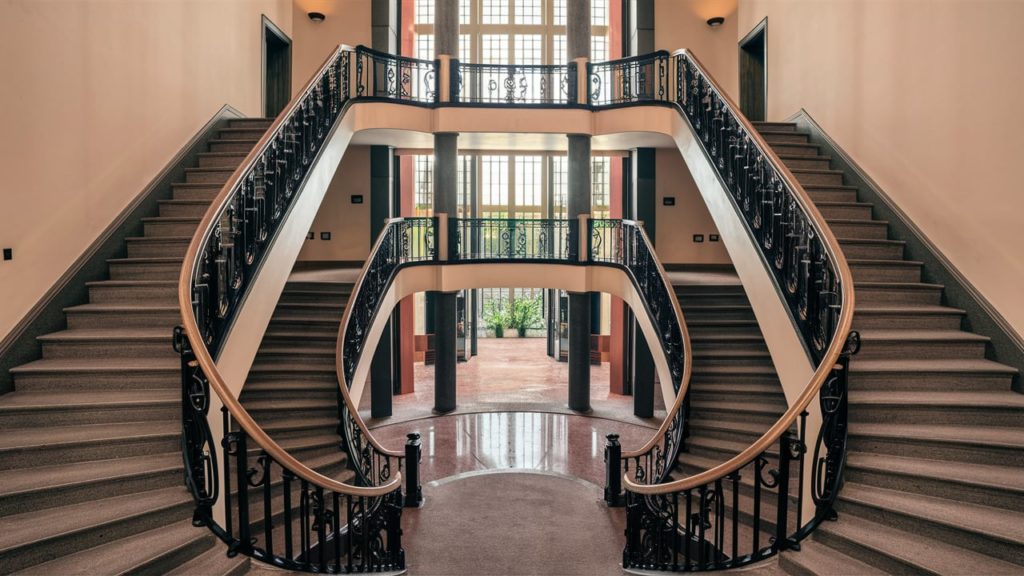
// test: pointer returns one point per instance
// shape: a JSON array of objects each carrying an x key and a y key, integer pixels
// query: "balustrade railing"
[
  {"x": 633, "y": 80},
  {"x": 500, "y": 239},
  {"x": 513, "y": 84},
  {"x": 391, "y": 77},
  {"x": 752, "y": 506}
]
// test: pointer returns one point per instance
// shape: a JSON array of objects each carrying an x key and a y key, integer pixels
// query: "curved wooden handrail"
[
  {"x": 202, "y": 354},
  {"x": 831, "y": 357}
]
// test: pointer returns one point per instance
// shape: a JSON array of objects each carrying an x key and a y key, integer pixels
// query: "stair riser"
[
  {"x": 710, "y": 316},
  {"x": 870, "y": 296},
  {"x": 927, "y": 381},
  {"x": 83, "y": 415},
  {"x": 243, "y": 133},
  {"x": 928, "y": 529},
  {"x": 768, "y": 379},
  {"x": 292, "y": 325},
  {"x": 184, "y": 210},
  {"x": 204, "y": 194},
  {"x": 326, "y": 394},
  {"x": 861, "y": 552},
  {"x": 699, "y": 331},
  {"x": 165, "y": 563},
  {"x": 885, "y": 273},
  {"x": 338, "y": 300},
  {"x": 951, "y": 416},
  {"x": 162, "y": 295},
  {"x": 911, "y": 448},
  {"x": 892, "y": 350},
  {"x": 308, "y": 359},
  {"x": 721, "y": 433},
  {"x": 168, "y": 249},
  {"x": 908, "y": 321},
  {"x": 63, "y": 454},
  {"x": 775, "y": 126},
  {"x": 795, "y": 149},
  {"x": 936, "y": 487},
  {"x": 108, "y": 349},
  {"x": 262, "y": 374},
  {"x": 122, "y": 319},
  {"x": 794, "y": 138},
  {"x": 139, "y": 271},
  {"x": 208, "y": 177},
  {"x": 865, "y": 231},
  {"x": 705, "y": 362},
  {"x": 306, "y": 314},
  {"x": 85, "y": 492},
  {"x": 231, "y": 162},
  {"x": 171, "y": 228},
  {"x": 846, "y": 212},
  {"x": 329, "y": 340},
  {"x": 42, "y": 551},
  {"x": 767, "y": 397},
  {"x": 727, "y": 414},
  {"x": 85, "y": 381},
  {"x": 820, "y": 178},
  {"x": 872, "y": 251},
  {"x": 268, "y": 416},
  {"x": 702, "y": 345},
  {"x": 808, "y": 163},
  {"x": 227, "y": 146},
  {"x": 255, "y": 123},
  {"x": 831, "y": 195}
]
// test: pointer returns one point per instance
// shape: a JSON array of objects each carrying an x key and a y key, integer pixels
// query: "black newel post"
[
  {"x": 413, "y": 490},
  {"x": 613, "y": 471}
]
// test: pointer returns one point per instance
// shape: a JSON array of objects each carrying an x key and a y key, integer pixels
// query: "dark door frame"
[
  {"x": 760, "y": 30},
  {"x": 270, "y": 30}
]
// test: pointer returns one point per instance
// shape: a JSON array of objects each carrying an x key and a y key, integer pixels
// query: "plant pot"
[
  {"x": 499, "y": 332},
  {"x": 522, "y": 332}
]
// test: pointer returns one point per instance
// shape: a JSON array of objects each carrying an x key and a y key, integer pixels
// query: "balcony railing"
[{"x": 514, "y": 84}]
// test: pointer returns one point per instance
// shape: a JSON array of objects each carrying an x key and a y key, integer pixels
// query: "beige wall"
[
  {"x": 348, "y": 223},
  {"x": 347, "y": 22},
  {"x": 925, "y": 97},
  {"x": 683, "y": 24},
  {"x": 677, "y": 224},
  {"x": 97, "y": 97}
]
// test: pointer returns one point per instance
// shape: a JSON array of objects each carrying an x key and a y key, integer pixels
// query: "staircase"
[
  {"x": 935, "y": 471},
  {"x": 90, "y": 450}
]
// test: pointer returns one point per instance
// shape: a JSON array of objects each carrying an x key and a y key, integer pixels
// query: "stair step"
[
  {"x": 860, "y": 229},
  {"x": 757, "y": 411},
  {"x": 233, "y": 144},
  {"x": 95, "y": 374},
  {"x": 108, "y": 343},
  {"x": 727, "y": 391},
  {"x": 932, "y": 374},
  {"x": 215, "y": 175},
  {"x": 811, "y": 177},
  {"x": 775, "y": 126},
  {"x": 978, "y": 445},
  {"x": 895, "y": 344},
  {"x": 158, "y": 246},
  {"x": 836, "y": 193},
  {"x": 221, "y": 159},
  {"x": 25, "y": 409},
  {"x": 732, "y": 430},
  {"x": 774, "y": 137},
  {"x": 112, "y": 291},
  {"x": 875, "y": 294},
  {"x": 155, "y": 551},
  {"x": 796, "y": 148},
  {"x": 845, "y": 210},
  {"x": 110, "y": 315},
  {"x": 804, "y": 161},
  {"x": 817, "y": 559},
  {"x": 990, "y": 485},
  {"x": 886, "y": 270},
  {"x": 896, "y": 316},
  {"x": 27, "y": 489},
  {"x": 183, "y": 208},
  {"x": 992, "y": 531},
  {"x": 192, "y": 191},
  {"x": 214, "y": 562},
  {"x": 168, "y": 226},
  {"x": 971, "y": 408},
  {"x": 242, "y": 133},
  {"x": 27, "y": 447},
  {"x": 896, "y": 551},
  {"x": 292, "y": 426},
  {"x": 153, "y": 268},
  {"x": 32, "y": 537},
  {"x": 261, "y": 123}
]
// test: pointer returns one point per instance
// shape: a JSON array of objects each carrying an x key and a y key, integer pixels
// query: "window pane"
[
  {"x": 528, "y": 12},
  {"x": 423, "y": 186},
  {"x": 494, "y": 181},
  {"x": 425, "y": 46},
  {"x": 495, "y": 49},
  {"x": 528, "y": 183},
  {"x": 600, "y": 177},
  {"x": 465, "y": 48},
  {"x": 599, "y": 12},
  {"x": 560, "y": 185},
  {"x": 495, "y": 12},
  {"x": 465, "y": 11},
  {"x": 424, "y": 11},
  {"x": 558, "y": 48},
  {"x": 528, "y": 49},
  {"x": 559, "y": 12},
  {"x": 598, "y": 48}
]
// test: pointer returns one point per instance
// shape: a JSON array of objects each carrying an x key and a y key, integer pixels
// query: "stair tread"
[
  {"x": 26, "y": 528},
  {"x": 758, "y": 407},
  {"x": 22, "y": 480},
  {"x": 873, "y": 241},
  {"x": 125, "y": 333},
  {"x": 896, "y": 285},
  {"x": 921, "y": 335},
  {"x": 275, "y": 385},
  {"x": 148, "y": 260},
  {"x": 974, "y": 435},
  {"x": 57, "y": 399},
  {"x": 928, "y": 554},
  {"x": 957, "y": 365},
  {"x": 1002, "y": 477},
  {"x": 162, "y": 239},
  {"x": 122, "y": 555},
  {"x": 969, "y": 398},
  {"x": 1006, "y": 525},
  {"x": 814, "y": 170},
  {"x": 213, "y": 562},
  {"x": 824, "y": 560},
  {"x": 121, "y": 307},
  {"x": 766, "y": 370},
  {"x": 861, "y": 221},
  {"x": 131, "y": 283},
  {"x": 53, "y": 435},
  {"x": 289, "y": 404},
  {"x": 190, "y": 219},
  {"x": 98, "y": 365},
  {"x": 904, "y": 308}
]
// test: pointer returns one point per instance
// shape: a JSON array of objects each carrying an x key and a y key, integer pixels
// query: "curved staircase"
[
  {"x": 935, "y": 469},
  {"x": 90, "y": 448}
]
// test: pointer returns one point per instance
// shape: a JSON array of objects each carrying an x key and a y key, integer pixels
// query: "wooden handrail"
[
  {"x": 831, "y": 357},
  {"x": 202, "y": 354}
]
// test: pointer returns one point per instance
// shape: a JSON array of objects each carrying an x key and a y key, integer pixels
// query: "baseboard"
[
  {"x": 982, "y": 317},
  {"x": 20, "y": 346}
]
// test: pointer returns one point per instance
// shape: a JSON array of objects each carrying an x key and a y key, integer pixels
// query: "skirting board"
[
  {"x": 1007, "y": 347},
  {"x": 20, "y": 346}
]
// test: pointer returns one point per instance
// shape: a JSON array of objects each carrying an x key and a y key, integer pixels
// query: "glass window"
[
  {"x": 528, "y": 49},
  {"x": 423, "y": 190},
  {"x": 494, "y": 181},
  {"x": 424, "y": 46},
  {"x": 465, "y": 11},
  {"x": 559, "y": 186},
  {"x": 528, "y": 183},
  {"x": 600, "y": 185},
  {"x": 424, "y": 12},
  {"x": 529, "y": 12},
  {"x": 495, "y": 12},
  {"x": 599, "y": 12},
  {"x": 559, "y": 12},
  {"x": 495, "y": 49},
  {"x": 465, "y": 48},
  {"x": 558, "y": 49},
  {"x": 598, "y": 48}
]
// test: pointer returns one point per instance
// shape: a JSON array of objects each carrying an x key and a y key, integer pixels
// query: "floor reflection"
[{"x": 559, "y": 443}]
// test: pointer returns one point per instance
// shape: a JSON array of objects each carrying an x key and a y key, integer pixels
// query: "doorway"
[
  {"x": 753, "y": 73},
  {"x": 277, "y": 69}
]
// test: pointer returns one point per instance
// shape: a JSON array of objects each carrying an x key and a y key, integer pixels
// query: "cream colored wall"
[
  {"x": 677, "y": 224},
  {"x": 925, "y": 97},
  {"x": 348, "y": 223},
  {"x": 346, "y": 22},
  {"x": 683, "y": 24},
  {"x": 97, "y": 97}
]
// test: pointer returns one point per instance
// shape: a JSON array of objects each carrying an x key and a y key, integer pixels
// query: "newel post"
[
  {"x": 413, "y": 453},
  {"x": 613, "y": 471}
]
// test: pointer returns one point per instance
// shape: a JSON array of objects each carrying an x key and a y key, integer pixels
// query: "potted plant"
[
  {"x": 496, "y": 318},
  {"x": 526, "y": 314}
]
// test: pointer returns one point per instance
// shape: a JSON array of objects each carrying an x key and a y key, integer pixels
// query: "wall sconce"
[
  {"x": 716, "y": 21},
  {"x": 317, "y": 16}
]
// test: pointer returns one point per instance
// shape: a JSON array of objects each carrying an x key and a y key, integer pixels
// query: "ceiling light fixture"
[
  {"x": 317, "y": 16},
  {"x": 716, "y": 21}
]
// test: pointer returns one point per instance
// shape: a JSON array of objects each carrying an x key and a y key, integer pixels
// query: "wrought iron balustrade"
[
  {"x": 392, "y": 77},
  {"x": 501, "y": 239},
  {"x": 513, "y": 84},
  {"x": 633, "y": 80}
]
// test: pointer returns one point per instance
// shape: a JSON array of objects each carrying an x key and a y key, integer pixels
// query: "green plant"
[
  {"x": 496, "y": 317},
  {"x": 526, "y": 314}
]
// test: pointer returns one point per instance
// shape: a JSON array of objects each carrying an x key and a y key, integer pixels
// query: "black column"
[
  {"x": 446, "y": 155},
  {"x": 381, "y": 208},
  {"x": 643, "y": 208}
]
